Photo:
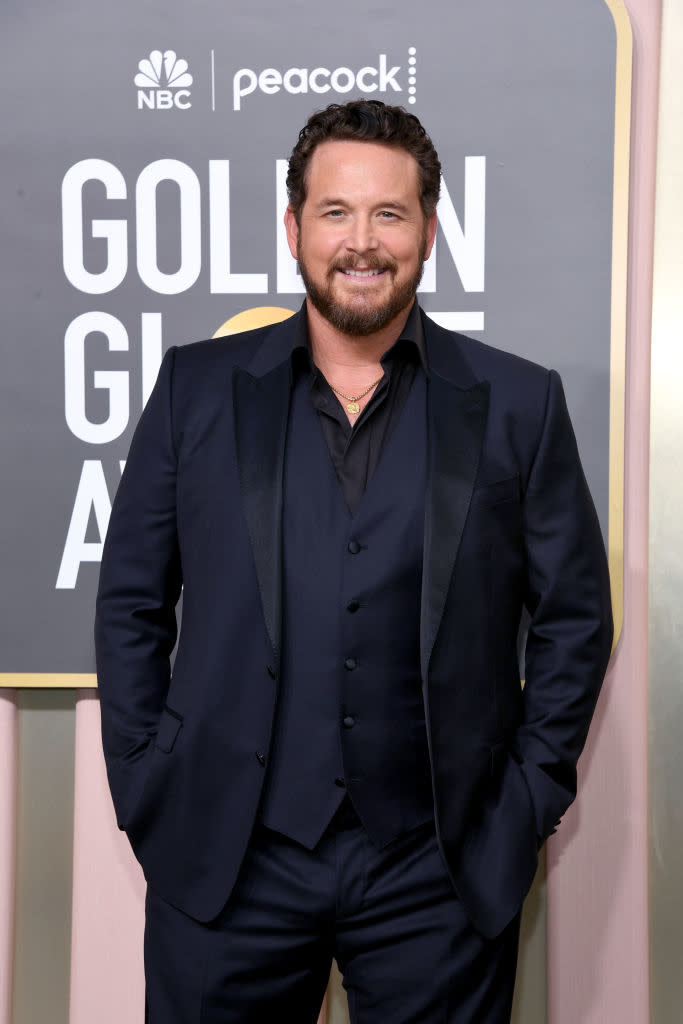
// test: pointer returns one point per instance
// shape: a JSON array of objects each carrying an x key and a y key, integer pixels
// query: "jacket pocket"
[
  {"x": 489, "y": 495},
  {"x": 170, "y": 724}
]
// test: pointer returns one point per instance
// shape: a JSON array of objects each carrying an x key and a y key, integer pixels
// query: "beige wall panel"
[
  {"x": 8, "y": 783},
  {"x": 666, "y": 540},
  {"x": 44, "y": 856}
]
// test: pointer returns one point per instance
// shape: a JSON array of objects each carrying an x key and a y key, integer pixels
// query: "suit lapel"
[
  {"x": 457, "y": 421},
  {"x": 261, "y": 406}
]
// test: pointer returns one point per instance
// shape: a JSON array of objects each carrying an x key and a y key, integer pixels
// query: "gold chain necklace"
[{"x": 352, "y": 406}]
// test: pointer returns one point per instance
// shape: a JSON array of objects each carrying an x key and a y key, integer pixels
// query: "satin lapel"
[
  {"x": 457, "y": 420},
  {"x": 261, "y": 408}
]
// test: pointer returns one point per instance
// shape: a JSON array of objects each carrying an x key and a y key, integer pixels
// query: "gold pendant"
[{"x": 353, "y": 408}]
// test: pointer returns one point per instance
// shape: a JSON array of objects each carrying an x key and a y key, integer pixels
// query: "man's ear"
[
  {"x": 292, "y": 229},
  {"x": 430, "y": 235}
]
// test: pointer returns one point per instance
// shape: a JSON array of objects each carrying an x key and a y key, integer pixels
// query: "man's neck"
[{"x": 349, "y": 356}]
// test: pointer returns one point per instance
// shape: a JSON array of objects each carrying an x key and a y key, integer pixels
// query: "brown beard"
[{"x": 359, "y": 322}]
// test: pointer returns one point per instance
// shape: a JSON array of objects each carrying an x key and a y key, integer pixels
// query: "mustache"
[{"x": 369, "y": 262}]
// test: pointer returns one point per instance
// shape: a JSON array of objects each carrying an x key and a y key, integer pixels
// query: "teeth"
[{"x": 361, "y": 273}]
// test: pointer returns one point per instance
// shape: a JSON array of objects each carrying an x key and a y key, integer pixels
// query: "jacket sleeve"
[
  {"x": 570, "y": 632},
  {"x": 140, "y": 583}
]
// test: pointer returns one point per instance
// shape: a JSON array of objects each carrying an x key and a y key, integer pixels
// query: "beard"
[{"x": 360, "y": 317}]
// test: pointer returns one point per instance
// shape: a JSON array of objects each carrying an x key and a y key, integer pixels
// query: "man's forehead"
[
  {"x": 361, "y": 151},
  {"x": 347, "y": 160}
]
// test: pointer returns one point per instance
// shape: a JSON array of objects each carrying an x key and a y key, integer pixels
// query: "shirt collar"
[{"x": 411, "y": 339}]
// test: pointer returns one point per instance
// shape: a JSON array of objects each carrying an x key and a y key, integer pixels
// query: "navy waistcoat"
[{"x": 350, "y": 716}]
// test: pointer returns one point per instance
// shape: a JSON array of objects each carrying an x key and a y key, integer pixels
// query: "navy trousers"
[{"x": 389, "y": 917}]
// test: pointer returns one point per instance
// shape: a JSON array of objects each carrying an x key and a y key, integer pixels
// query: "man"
[{"x": 359, "y": 506}]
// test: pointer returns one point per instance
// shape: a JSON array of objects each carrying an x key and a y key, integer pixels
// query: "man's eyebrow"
[
  {"x": 389, "y": 204},
  {"x": 329, "y": 202},
  {"x": 392, "y": 204}
]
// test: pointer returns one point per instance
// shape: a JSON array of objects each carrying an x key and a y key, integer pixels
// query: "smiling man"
[
  {"x": 360, "y": 506},
  {"x": 366, "y": 238}
]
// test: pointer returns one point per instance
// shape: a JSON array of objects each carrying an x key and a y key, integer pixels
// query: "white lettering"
[
  {"x": 362, "y": 75},
  {"x": 315, "y": 74},
  {"x": 269, "y": 81},
  {"x": 387, "y": 78},
  {"x": 181, "y": 98},
  {"x": 237, "y": 91},
  {"x": 463, "y": 232},
  {"x": 222, "y": 280},
  {"x": 189, "y": 228},
  {"x": 92, "y": 496},
  {"x": 467, "y": 245},
  {"x": 113, "y": 381},
  {"x": 301, "y": 75},
  {"x": 319, "y": 80},
  {"x": 342, "y": 80},
  {"x": 73, "y": 232},
  {"x": 150, "y": 337}
]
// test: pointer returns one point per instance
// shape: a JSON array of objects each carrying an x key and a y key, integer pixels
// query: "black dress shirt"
[{"x": 356, "y": 449}]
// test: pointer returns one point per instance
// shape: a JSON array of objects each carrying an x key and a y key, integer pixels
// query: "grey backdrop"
[{"x": 527, "y": 85}]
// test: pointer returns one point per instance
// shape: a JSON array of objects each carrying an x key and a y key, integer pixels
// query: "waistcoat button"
[
  {"x": 353, "y": 547},
  {"x": 353, "y": 606},
  {"x": 349, "y": 722},
  {"x": 350, "y": 664}
]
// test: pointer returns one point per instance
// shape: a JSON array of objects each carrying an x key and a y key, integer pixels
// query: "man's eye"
[
  {"x": 388, "y": 215},
  {"x": 335, "y": 213}
]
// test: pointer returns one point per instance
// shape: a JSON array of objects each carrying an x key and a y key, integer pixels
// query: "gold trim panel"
[{"x": 47, "y": 680}]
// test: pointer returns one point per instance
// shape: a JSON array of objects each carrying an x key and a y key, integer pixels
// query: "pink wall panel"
[
  {"x": 597, "y": 882},
  {"x": 107, "y": 983},
  {"x": 8, "y": 783}
]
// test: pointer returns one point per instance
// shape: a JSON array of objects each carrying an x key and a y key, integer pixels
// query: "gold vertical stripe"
[{"x": 617, "y": 412}]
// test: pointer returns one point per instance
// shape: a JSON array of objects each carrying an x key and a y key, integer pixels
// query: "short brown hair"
[{"x": 365, "y": 121}]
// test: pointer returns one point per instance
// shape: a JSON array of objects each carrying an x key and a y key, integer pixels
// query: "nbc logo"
[{"x": 163, "y": 81}]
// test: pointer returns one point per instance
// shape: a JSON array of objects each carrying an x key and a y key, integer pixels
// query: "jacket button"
[
  {"x": 349, "y": 722},
  {"x": 340, "y": 782},
  {"x": 353, "y": 606},
  {"x": 260, "y": 758},
  {"x": 353, "y": 547},
  {"x": 350, "y": 664}
]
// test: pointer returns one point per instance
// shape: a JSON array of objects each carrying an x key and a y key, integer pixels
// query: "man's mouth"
[{"x": 350, "y": 272}]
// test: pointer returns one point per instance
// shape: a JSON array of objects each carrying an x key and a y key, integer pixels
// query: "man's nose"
[{"x": 361, "y": 237}]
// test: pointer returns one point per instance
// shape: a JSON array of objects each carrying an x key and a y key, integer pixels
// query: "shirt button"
[
  {"x": 350, "y": 664},
  {"x": 353, "y": 606},
  {"x": 349, "y": 722},
  {"x": 340, "y": 782},
  {"x": 353, "y": 547}
]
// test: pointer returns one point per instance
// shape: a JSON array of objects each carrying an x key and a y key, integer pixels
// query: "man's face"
[{"x": 362, "y": 236}]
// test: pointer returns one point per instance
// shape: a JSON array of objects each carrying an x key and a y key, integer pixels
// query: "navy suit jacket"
[{"x": 509, "y": 525}]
